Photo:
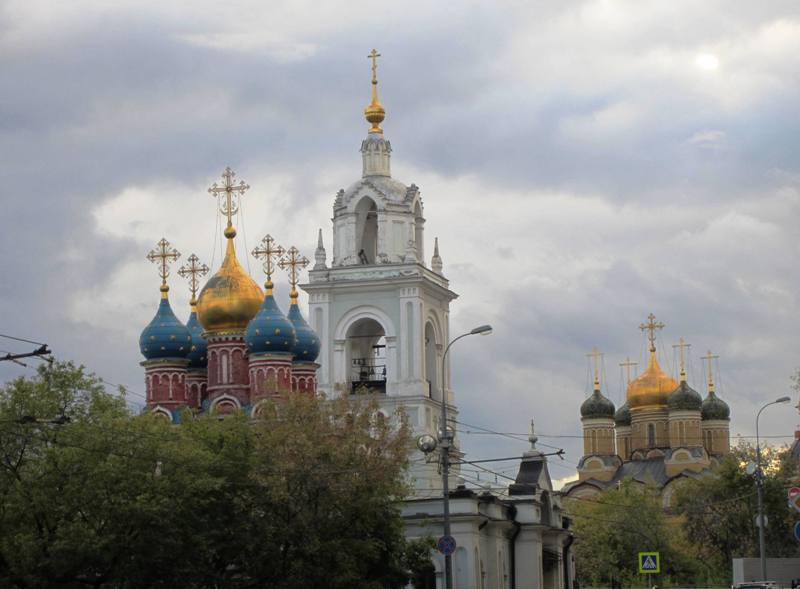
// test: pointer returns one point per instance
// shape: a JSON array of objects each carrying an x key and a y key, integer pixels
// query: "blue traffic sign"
[
  {"x": 796, "y": 530},
  {"x": 446, "y": 545},
  {"x": 649, "y": 562}
]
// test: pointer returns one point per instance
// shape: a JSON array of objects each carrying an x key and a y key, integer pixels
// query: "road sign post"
[
  {"x": 796, "y": 530},
  {"x": 446, "y": 545},
  {"x": 649, "y": 563}
]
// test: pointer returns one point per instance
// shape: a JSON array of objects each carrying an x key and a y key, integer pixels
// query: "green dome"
[
  {"x": 597, "y": 406},
  {"x": 684, "y": 398},
  {"x": 623, "y": 415},
  {"x": 714, "y": 408}
]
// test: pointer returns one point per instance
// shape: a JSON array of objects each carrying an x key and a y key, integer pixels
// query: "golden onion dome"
[
  {"x": 652, "y": 387},
  {"x": 230, "y": 299}
]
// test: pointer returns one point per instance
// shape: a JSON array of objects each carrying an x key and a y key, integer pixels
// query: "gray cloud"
[{"x": 579, "y": 166}]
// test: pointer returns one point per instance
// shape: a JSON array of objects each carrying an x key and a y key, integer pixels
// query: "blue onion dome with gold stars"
[
  {"x": 684, "y": 398},
  {"x": 270, "y": 331},
  {"x": 714, "y": 408},
  {"x": 622, "y": 417},
  {"x": 199, "y": 346},
  {"x": 165, "y": 336},
  {"x": 597, "y": 405},
  {"x": 307, "y": 346}
]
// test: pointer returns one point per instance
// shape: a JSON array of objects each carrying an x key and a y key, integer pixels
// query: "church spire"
[
  {"x": 596, "y": 355},
  {"x": 375, "y": 150},
  {"x": 652, "y": 325},
  {"x": 163, "y": 255},
  {"x": 375, "y": 113},
  {"x": 681, "y": 346},
  {"x": 710, "y": 357}
]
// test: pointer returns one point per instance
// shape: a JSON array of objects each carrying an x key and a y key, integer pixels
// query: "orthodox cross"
[
  {"x": 230, "y": 205},
  {"x": 293, "y": 262},
  {"x": 710, "y": 359},
  {"x": 268, "y": 251},
  {"x": 681, "y": 346},
  {"x": 596, "y": 355},
  {"x": 627, "y": 364},
  {"x": 193, "y": 271},
  {"x": 163, "y": 254},
  {"x": 374, "y": 55},
  {"x": 651, "y": 326}
]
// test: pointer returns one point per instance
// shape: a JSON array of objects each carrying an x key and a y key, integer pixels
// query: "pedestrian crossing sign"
[{"x": 649, "y": 562}]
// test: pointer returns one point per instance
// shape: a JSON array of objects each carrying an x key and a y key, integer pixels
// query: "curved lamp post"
[
  {"x": 445, "y": 441},
  {"x": 760, "y": 488}
]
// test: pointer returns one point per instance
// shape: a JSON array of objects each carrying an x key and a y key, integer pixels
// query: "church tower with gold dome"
[{"x": 664, "y": 431}]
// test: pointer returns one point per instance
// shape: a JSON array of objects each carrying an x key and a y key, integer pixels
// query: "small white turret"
[
  {"x": 319, "y": 254},
  {"x": 436, "y": 260}
]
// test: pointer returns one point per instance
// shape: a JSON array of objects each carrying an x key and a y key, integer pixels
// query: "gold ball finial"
[
  {"x": 375, "y": 113},
  {"x": 230, "y": 232}
]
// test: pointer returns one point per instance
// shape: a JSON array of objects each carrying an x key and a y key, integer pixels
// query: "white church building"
[{"x": 382, "y": 317}]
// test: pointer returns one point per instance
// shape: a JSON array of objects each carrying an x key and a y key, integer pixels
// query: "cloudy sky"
[{"x": 583, "y": 164}]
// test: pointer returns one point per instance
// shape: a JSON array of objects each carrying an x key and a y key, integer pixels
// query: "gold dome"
[
  {"x": 652, "y": 387},
  {"x": 230, "y": 299}
]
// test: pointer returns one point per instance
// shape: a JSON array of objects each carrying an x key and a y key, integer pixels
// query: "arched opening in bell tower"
[
  {"x": 366, "y": 231},
  {"x": 432, "y": 363},
  {"x": 366, "y": 356}
]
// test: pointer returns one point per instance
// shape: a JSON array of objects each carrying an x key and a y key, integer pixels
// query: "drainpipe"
[
  {"x": 517, "y": 528},
  {"x": 564, "y": 554}
]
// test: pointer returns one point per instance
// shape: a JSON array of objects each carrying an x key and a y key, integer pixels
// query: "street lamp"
[
  {"x": 445, "y": 440},
  {"x": 760, "y": 489}
]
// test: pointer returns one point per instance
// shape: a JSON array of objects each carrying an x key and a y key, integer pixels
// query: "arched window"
[
  {"x": 366, "y": 231},
  {"x": 651, "y": 435},
  {"x": 432, "y": 363}
]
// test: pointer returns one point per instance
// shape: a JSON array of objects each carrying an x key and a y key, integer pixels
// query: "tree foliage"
[
  {"x": 93, "y": 496},
  {"x": 614, "y": 526},
  {"x": 719, "y": 511}
]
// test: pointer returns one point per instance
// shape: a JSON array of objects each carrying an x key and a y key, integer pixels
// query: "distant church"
[
  {"x": 378, "y": 326},
  {"x": 664, "y": 432}
]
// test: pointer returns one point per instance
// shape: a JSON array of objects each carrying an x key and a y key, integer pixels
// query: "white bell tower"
[{"x": 381, "y": 314}]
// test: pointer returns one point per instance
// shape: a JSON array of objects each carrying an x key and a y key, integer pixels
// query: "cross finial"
[
  {"x": 596, "y": 355},
  {"x": 268, "y": 251},
  {"x": 163, "y": 255},
  {"x": 627, "y": 364},
  {"x": 681, "y": 346},
  {"x": 710, "y": 357},
  {"x": 293, "y": 262},
  {"x": 374, "y": 55},
  {"x": 533, "y": 438},
  {"x": 192, "y": 272},
  {"x": 651, "y": 326},
  {"x": 375, "y": 113},
  {"x": 230, "y": 204}
]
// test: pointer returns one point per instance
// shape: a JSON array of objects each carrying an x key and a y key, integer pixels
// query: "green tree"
[
  {"x": 93, "y": 496},
  {"x": 614, "y": 526},
  {"x": 718, "y": 512}
]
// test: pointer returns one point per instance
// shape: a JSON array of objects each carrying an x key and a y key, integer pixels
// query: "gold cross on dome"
[
  {"x": 710, "y": 357},
  {"x": 163, "y": 255},
  {"x": 268, "y": 251},
  {"x": 293, "y": 262},
  {"x": 193, "y": 271},
  {"x": 627, "y": 364},
  {"x": 681, "y": 346},
  {"x": 374, "y": 55},
  {"x": 596, "y": 355},
  {"x": 651, "y": 326},
  {"x": 230, "y": 205}
]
